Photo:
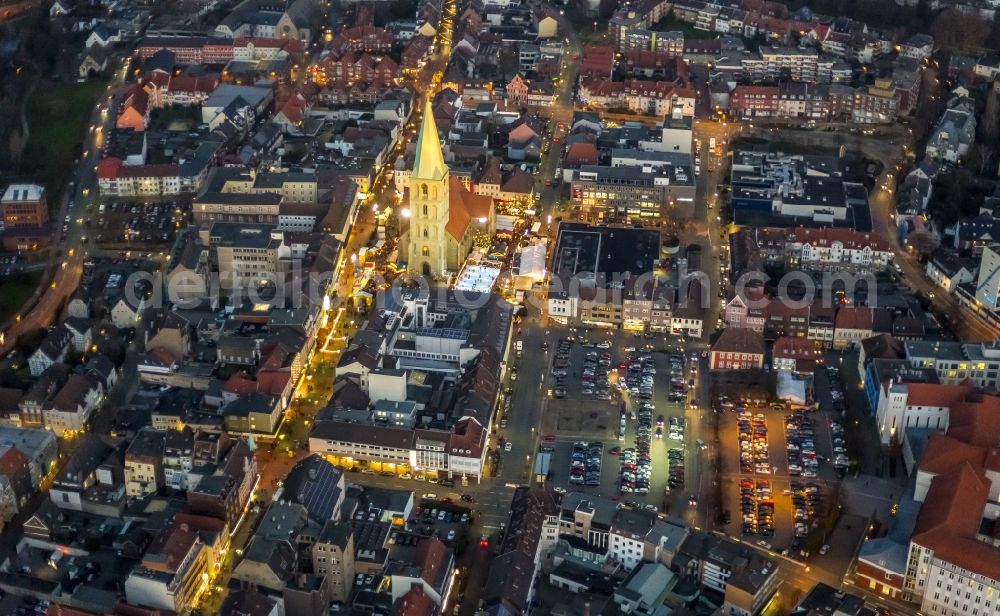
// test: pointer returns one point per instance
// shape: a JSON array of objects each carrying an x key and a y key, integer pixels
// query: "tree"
[
  {"x": 958, "y": 30},
  {"x": 989, "y": 126},
  {"x": 508, "y": 63}
]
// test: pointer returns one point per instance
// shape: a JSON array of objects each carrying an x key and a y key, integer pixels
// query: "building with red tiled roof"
[
  {"x": 416, "y": 53},
  {"x": 166, "y": 89},
  {"x": 427, "y": 567},
  {"x": 754, "y": 101},
  {"x": 465, "y": 207},
  {"x": 660, "y": 98},
  {"x": 597, "y": 61},
  {"x": 648, "y": 64},
  {"x": 957, "y": 564},
  {"x": 746, "y": 309},
  {"x": 368, "y": 39},
  {"x": 976, "y": 422},
  {"x": 955, "y": 537},
  {"x": 944, "y": 453},
  {"x": 738, "y": 349},
  {"x": 837, "y": 249},
  {"x": 581, "y": 153},
  {"x": 467, "y": 446},
  {"x": 169, "y": 574},
  {"x": 134, "y": 110},
  {"x": 795, "y": 355},
  {"x": 15, "y": 482},
  {"x": 414, "y": 603},
  {"x": 852, "y": 325},
  {"x": 783, "y": 318},
  {"x": 116, "y": 179}
]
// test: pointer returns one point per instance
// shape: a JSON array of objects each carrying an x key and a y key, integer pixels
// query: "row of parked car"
[
  {"x": 637, "y": 468},
  {"x": 678, "y": 380},
  {"x": 801, "y": 445},
  {"x": 836, "y": 388},
  {"x": 675, "y": 477},
  {"x": 640, "y": 376},
  {"x": 757, "y": 505},
  {"x": 594, "y": 380},
  {"x": 753, "y": 443},
  {"x": 585, "y": 463},
  {"x": 637, "y": 463},
  {"x": 806, "y": 501},
  {"x": 839, "y": 457},
  {"x": 676, "y": 428},
  {"x": 560, "y": 366}
]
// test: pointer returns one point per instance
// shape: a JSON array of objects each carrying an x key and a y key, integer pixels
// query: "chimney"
[{"x": 586, "y": 608}]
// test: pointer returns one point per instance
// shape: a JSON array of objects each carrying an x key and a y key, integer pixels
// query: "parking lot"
[
  {"x": 635, "y": 414},
  {"x": 778, "y": 469},
  {"x": 112, "y": 275},
  {"x": 141, "y": 226},
  {"x": 435, "y": 516}
]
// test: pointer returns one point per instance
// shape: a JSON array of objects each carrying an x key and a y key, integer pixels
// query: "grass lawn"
[
  {"x": 15, "y": 290},
  {"x": 57, "y": 121}
]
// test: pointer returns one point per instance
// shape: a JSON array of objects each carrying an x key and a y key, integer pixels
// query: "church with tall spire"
[{"x": 444, "y": 215}]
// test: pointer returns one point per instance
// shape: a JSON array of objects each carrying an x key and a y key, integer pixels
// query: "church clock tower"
[{"x": 427, "y": 241}]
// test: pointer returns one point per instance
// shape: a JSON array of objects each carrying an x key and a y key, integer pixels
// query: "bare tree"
[
  {"x": 989, "y": 129},
  {"x": 958, "y": 30},
  {"x": 990, "y": 123}
]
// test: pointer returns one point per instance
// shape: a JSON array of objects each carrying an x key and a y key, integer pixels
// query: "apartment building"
[
  {"x": 117, "y": 179},
  {"x": 173, "y": 568},
  {"x": 803, "y": 100},
  {"x": 144, "y": 463},
  {"x": 333, "y": 557},
  {"x": 877, "y": 103},
  {"x": 795, "y": 355},
  {"x": 651, "y": 97},
  {"x": 954, "y": 133},
  {"x": 68, "y": 413},
  {"x": 751, "y": 101},
  {"x": 948, "y": 270},
  {"x": 190, "y": 50},
  {"x": 831, "y": 249},
  {"x": 784, "y": 63},
  {"x": 746, "y": 309},
  {"x": 627, "y": 536}
]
